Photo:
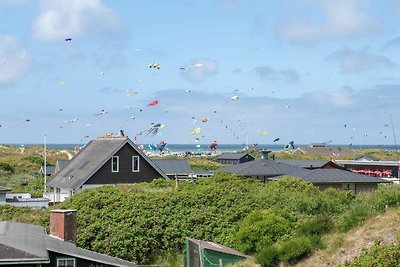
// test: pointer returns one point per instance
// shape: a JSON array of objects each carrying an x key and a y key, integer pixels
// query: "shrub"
[
  {"x": 261, "y": 228},
  {"x": 268, "y": 256},
  {"x": 315, "y": 226},
  {"x": 357, "y": 213},
  {"x": 377, "y": 256},
  {"x": 7, "y": 167},
  {"x": 294, "y": 249}
]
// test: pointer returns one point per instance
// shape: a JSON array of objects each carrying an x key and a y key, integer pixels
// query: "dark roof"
[
  {"x": 366, "y": 158},
  {"x": 271, "y": 168},
  {"x": 4, "y": 189},
  {"x": 217, "y": 247},
  {"x": 263, "y": 167},
  {"x": 33, "y": 243},
  {"x": 90, "y": 159},
  {"x": 310, "y": 164},
  {"x": 327, "y": 150},
  {"x": 173, "y": 166},
  {"x": 232, "y": 156},
  {"x": 49, "y": 170},
  {"x": 327, "y": 176},
  {"x": 61, "y": 163}
]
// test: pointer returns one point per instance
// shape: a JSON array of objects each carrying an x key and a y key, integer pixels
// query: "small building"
[
  {"x": 324, "y": 150},
  {"x": 175, "y": 168},
  {"x": 234, "y": 158},
  {"x": 268, "y": 170},
  {"x": 18, "y": 200},
  {"x": 49, "y": 170},
  {"x": 103, "y": 161},
  {"x": 29, "y": 245},
  {"x": 3, "y": 193},
  {"x": 312, "y": 164},
  {"x": 199, "y": 253}
]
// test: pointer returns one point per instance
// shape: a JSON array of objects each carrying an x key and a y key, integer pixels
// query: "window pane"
[
  {"x": 115, "y": 166},
  {"x": 135, "y": 163}
]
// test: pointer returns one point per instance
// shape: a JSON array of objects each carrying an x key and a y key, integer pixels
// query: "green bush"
[
  {"x": 358, "y": 212},
  {"x": 261, "y": 228},
  {"x": 268, "y": 256},
  {"x": 294, "y": 249},
  {"x": 378, "y": 256},
  {"x": 7, "y": 167},
  {"x": 315, "y": 226}
]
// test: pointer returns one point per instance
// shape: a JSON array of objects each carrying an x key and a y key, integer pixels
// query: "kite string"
[{"x": 395, "y": 145}]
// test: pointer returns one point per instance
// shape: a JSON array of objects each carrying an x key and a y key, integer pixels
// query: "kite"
[
  {"x": 235, "y": 97},
  {"x": 155, "y": 66},
  {"x": 265, "y": 133},
  {"x": 60, "y": 109},
  {"x": 61, "y": 83},
  {"x": 276, "y": 140},
  {"x": 197, "y": 140},
  {"x": 161, "y": 146},
  {"x": 196, "y": 131},
  {"x": 187, "y": 91},
  {"x": 287, "y": 106},
  {"x": 121, "y": 132},
  {"x": 255, "y": 145},
  {"x": 214, "y": 145},
  {"x": 153, "y": 103},
  {"x": 153, "y": 147},
  {"x": 102, "y": 112},
  {"x": 27, "y": 120},
  {"x": 68, "y": 39},
  {"x": 71, "y": 121},
  {"x": 102, "y": 73},
  {"x": 290, "y": 145},
  {"x": 197, "y": 65},
  {"x": 128, "y": 107},
  {"x": 198, "y": 145},
  {"x": 153, "y": 130},
  {"x": 204, "y": 119}
]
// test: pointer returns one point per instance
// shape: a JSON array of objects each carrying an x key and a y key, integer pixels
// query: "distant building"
[
  {"x": 29, "y": 245},
  {"x": 49, "y": 170},
  {"x": 268, "y": 170},
  {"x": 61, "y": 163},
  {"x": 322, "y": 149},
  {"x": 174, "y": 168},
  {"x": 234, "y": 158},
  {"x": 312, "y": 164},
  {"x": 3, "y": 193},
  {"x": 26, "y": 200}
]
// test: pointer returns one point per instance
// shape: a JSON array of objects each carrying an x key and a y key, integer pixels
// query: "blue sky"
[{"x": 303, "y": 70}]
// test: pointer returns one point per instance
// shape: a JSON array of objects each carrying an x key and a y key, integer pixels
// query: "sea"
[{"x": 222, "y": 147}]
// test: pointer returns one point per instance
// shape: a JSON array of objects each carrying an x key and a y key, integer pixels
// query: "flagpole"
[{"x": 45, "y": 163}]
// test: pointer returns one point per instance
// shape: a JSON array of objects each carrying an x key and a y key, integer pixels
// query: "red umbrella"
[
  {"x": 356, "y": 171},
  {"x": 368, "y": 171},
  {"x": 387, "y": 172},
  {"x": 378, "y": 172}
]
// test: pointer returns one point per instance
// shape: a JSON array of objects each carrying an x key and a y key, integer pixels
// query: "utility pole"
[{"x": 45, "y": 163}]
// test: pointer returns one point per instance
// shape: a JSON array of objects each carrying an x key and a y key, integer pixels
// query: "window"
[
  {"x": 115, "y": 164},
  {"x": 350, "y": 187},
  {"x": 135, "y": 163},
  {"x": 67, "y": 262}
]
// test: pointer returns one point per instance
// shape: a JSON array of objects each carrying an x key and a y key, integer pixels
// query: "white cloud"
[
  {"x": 266, "y": 72},
  {"x": 59, "y": 19},
  {"x": 339, "y": 99},
  {"x": 356, "y": 61},
  {"x": 199, "y": 69},
  {"x": 14, "y": 61},
  {"x": 341, "y": 18}
]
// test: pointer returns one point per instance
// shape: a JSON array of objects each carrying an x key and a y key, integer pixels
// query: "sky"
[{"x": 240, "y": 72}]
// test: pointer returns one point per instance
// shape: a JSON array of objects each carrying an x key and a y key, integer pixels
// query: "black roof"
[
  {"x": 30, "y": 243},
  {"x": 217, "y": 247},
  {"x": 271, "y": 168},
  {"x": 233, "y": 156},
  {"x": 311, "y": 164},
  {"x": 173, "y": 166},
  {"x": 90, "y": 159}
]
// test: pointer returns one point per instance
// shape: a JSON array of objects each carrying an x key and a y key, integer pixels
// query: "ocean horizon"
[{"x": 221, "y": 147}]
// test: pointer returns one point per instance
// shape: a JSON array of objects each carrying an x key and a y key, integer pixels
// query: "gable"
[
  {"x": 147, "y": 172},
  {"x": 8, "y": 253}
]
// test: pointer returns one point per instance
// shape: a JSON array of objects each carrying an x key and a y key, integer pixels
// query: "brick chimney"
[{"x": 63, "y": 224}]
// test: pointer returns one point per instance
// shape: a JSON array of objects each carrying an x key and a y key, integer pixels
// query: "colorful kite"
[{"x": 153, "y": 103}]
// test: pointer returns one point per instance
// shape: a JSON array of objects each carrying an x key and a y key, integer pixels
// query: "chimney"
[
  {"x": 63, "y": 224},
  {"x": 264, "y": 154}
]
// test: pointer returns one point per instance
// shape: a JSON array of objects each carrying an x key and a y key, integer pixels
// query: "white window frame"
[
  {"x": 112, "y": 163},
  {"x": 65, "y": 259},
  {"x": 133, "y": 163}
]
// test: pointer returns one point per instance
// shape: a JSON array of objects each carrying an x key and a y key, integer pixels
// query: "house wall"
[
  {"x": 360, "y": 187},
  {"x": 79, "y": 262},
  {"x": 2, "y": 198},
  {"x": 246, "y": 159},
  {"x": 125, "y": 175}
]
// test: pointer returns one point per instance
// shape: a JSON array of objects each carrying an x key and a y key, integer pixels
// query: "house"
[
  {"x": 322, "y": 149},
  {"x": 3, "y": 193},
  {"x": 312, "y": 164},
  {"x": 29, "y": 245},
  {"x": 174, "y": 168},
  {"x": 60, "y": 164},
  {"x": 26, "y": 200},
  {"x": 234, "y": 158},
  {"x": 385, "y": 169},
  {"x": 365, "y": 158},
  {"x": 208, "y": 254},
  {"x": 267, "y": 170},
  {"x": 103, "y": 161},
  {"x": 49, "y": 170}
]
